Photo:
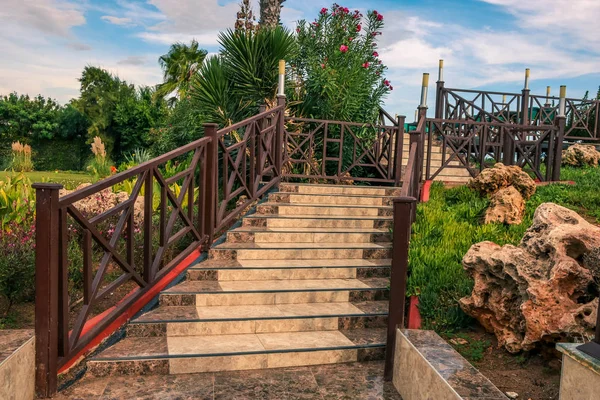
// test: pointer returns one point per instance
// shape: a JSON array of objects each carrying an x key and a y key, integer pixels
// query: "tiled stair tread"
[
  {"x": 261, "y": 229},
  {"x": 267, "y": 311},
  {"x": 339, "y": 186},
  {"x": 369, "y": 196},
  {"x": 321, "y": 216},
  {"x": 278, "y": 264},
  {"x": 321, "y": 205},
  {"x": 191, "y": 287},
  {"x": 135, "y": 348},
  {"x": 302, "y": 245}
]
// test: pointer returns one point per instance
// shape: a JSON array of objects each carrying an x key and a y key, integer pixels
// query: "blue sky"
[{"x": 485, "y": 43}]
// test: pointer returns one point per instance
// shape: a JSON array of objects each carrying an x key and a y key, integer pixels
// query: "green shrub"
[
  {"x": 17, "y": 200},
  {"x": 17, "y": 262}
]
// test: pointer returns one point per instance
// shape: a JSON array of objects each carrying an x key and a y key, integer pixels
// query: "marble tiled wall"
[
  {"x": 580, "y": 374},
  {"x": 17, "y": 365},
  {"x": 426, "y": 367}
]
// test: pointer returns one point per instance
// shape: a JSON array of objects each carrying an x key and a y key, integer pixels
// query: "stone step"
[
  {"x": 316, "y": 221},
  {"x": 307, "y": 235},
  {"x": 282, "y": 251},
  {"x": 232, "y": 293},
  {"x": 334, "y": 199},
  {"x": 256, "y": 270},
  {"x": 323, "y": 209},
  {"x": 226, "y": 320},
  {"x": 307, "y": 188},
  {"x": 212, "y": 353}
]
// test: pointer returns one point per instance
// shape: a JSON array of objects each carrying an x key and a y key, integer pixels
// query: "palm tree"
[
  {"x": 269, "y": 13},
  {"x": 179, "y": 66}
]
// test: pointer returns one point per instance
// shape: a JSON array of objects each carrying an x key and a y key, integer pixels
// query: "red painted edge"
[
  {"x": 130, "y": 312},
  {"x": 414, "y": 316},
  {"x": 425, "y": 191}
]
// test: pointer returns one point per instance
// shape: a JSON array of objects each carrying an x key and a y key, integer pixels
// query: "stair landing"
[{"x": 302, "y": 282}]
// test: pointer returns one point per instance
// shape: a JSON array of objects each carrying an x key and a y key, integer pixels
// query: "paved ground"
[{"x": 337, "y": 381}]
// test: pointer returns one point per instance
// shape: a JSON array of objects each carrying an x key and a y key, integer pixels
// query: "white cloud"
[
  {"x": 54, "y": 17},
  {"x": 133, "y": 60},
  {"x": 123, "y": 21},
  {"x": 185, "y": 20}
]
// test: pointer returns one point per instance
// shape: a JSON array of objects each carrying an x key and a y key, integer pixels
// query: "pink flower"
[
  {"x": 297, "y": 30},
  {"x": 345, "y": 10},
  {"x": 358, "y": 28},
  {"x": 391, "y": 87},
  {"x": 343, "y": 48},
  {"x": 323, "y": 10},
  {"x": 323, "y": 66},
  {"x": 386, "y": 82},
  {"x": 375, "y": 54},
  {"x": 366, "y": 65},
  {"x": 350, "y": 38},
  {"x": 315, "y": 23},
  {"x": 379, "y": 17}
]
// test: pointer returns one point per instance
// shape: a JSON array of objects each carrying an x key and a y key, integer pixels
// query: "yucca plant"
[{"x": 230, "y": 86}]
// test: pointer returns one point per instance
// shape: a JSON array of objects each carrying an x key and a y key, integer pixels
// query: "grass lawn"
[
  {"x": 451, "y": 222},
  {"x": 70, "y": 180}
]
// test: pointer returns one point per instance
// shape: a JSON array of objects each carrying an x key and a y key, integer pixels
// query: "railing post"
[
  {"x": 280, "y": 136},
  {"x": 46, "y": 287},
  {"x": 597, "y": 122},
  {"x": 508, "y": 151},
  {"x": 421, "y": 142},
  {"x": 403, "y": 210},
  {"x": 399, "y": 150},
  {"x": 211, "y": 193},
  {"x": 525, "y": 100},
  {"x": 560, "y": 122},
  {"x": 439, "y": 93}
]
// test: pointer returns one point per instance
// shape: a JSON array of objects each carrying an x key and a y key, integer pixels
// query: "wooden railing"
[
  {"x": 344, "y": 151},
  {"x": 404, "y": 215},
  {"x": 474, "y": 146},
  {"x": 104, "y": 248},
  {"x": 582, "y": 116}
]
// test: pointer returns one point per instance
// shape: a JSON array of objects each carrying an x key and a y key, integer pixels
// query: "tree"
[
  {"x": 26, "y": 119},
  {"x": 179, "y": 65},
  {"x": 270, "y": 10},
  {"x": 119, "y": 114}
]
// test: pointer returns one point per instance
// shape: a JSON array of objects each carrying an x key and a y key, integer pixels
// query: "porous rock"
[
  {"x": 580, "y": 155},
  {"x": 541, "y": 290},
  {"x": 507, "y": 206},
  {"x": 500, "y": 176}
]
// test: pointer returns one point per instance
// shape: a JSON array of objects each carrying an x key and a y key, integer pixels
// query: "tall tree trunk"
[{"x": 269, "y": 13}]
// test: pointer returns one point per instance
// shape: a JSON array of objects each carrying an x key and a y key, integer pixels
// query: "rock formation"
[
  {"x": 542, "y": 290},
  {"x": 508, "y": 188},
  {"x": 507, "y": 206},
  {"x": 500, "y": 176},
  {"x": 580, "y": 155}
]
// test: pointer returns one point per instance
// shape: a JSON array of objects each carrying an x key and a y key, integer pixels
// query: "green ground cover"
[
  {"x": 451, "y": 222},
  {"x": 70, "y": 180}
]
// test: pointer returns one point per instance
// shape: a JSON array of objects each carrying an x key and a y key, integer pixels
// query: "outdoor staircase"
[
  {"x": 449, "y": 175},
  {"x": 303, "y": 281}
]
